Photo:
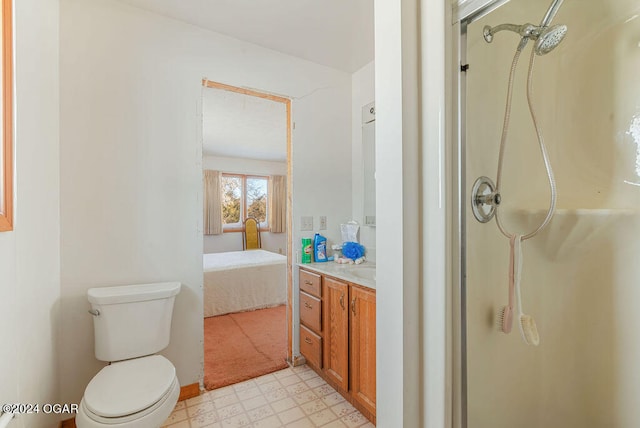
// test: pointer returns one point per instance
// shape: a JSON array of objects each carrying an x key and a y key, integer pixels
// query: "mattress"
[{"x": 239, "y": 281}]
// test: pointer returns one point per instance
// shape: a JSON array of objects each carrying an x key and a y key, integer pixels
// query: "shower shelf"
[
  {"x": 573, "y": 229},
  {"x": 574, "y": 211}
]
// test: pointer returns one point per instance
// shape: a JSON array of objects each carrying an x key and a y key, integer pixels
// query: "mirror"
[{"x": 369, "y": 163}]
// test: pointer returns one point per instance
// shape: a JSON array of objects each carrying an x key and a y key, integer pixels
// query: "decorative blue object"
[{"x": 352, "y": 250}]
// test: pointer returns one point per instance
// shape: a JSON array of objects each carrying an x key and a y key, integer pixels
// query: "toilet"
[{"x": 138, "y": 389}]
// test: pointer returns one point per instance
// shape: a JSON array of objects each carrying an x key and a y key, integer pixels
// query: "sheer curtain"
[
  {"x": 212, "y": 202},
  {"x": 278, "y": 204}
]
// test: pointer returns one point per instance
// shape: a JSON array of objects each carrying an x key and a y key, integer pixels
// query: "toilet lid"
[{"x": 129, "y": 386}]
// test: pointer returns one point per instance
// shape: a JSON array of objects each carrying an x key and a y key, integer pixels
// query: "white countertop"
[{"x": 363, "y": 274}]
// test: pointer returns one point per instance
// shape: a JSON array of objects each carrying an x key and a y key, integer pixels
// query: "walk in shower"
[{"x": 580, "y": 275}]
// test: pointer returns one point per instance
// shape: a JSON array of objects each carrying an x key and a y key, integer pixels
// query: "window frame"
[
  {"x": 239, "y": 227},
  {"x": 6, "y": 140}
]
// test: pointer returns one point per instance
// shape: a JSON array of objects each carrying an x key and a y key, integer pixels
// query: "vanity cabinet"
[{"x": 346, "y": 335}]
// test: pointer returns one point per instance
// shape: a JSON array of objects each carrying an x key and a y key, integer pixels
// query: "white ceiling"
[
  {"x": 334, "y": 33},
  {"x": 243, "y": 126}
]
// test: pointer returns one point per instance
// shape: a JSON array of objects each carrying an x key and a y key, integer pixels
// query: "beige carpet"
[{"x": 244, "y": 345}]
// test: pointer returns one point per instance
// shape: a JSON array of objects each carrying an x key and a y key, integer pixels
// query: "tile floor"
[{"x": 294, "y": 398}]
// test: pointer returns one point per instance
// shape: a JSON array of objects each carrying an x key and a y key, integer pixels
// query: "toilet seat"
[{"x": 129, "y": 390}]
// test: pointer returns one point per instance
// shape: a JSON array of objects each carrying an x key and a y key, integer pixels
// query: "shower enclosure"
[{"x": 580, "y": 276}]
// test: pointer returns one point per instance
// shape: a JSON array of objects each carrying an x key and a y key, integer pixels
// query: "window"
[
  {"x": 6, "y": 118},
  {"x": 243, "y": 196},
  {"x": 231, "y": 200}
]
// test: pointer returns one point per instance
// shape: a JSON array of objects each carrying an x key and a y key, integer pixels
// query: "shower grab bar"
[
  {"x": 6, "y": 418},
  {"x": 551, "y": 13}
]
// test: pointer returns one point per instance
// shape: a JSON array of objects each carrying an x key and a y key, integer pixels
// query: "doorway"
[{"x": 247, "y": 292}]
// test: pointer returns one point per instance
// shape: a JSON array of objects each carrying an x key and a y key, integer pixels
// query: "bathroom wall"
[
  {"x": 30, "y": 254},
  {"x": 276, "y": 242},
  {"x": 579, "y": 280},
  {"x": 404, "y": 358},
  {"x": 362, "y": 93},
  {"x": 321, "y": 169},
  {"x": 130, "y": 98}
]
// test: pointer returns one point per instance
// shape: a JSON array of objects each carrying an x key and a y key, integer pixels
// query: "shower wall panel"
[{"x": 581, "y": 274}]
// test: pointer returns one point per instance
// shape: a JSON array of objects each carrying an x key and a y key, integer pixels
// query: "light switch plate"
[
  {"x": 323, "y": 222},
  {"x": 306, "y": 223},
  {"x": 369, "y": 113}
]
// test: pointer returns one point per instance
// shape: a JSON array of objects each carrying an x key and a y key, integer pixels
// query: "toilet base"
[{"x": 152, "y": 420}]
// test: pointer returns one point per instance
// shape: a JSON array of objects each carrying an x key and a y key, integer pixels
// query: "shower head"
[{"x": 549, "y": 38}]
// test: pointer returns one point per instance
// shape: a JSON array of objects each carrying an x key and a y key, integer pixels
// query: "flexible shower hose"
[{"x": 543, "y": 149}]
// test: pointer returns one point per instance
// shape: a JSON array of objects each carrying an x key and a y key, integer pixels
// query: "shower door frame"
[{"x": 464, "y": 13}]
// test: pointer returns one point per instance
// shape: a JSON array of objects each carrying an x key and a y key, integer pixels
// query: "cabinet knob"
[
  {"x": 342, "y": 300},
  {"x": 307, "y": 305},
  {"x": 306, "y": 339},
  {"x": 353, "y": 306},
  {"x": 306, "y": 281}
]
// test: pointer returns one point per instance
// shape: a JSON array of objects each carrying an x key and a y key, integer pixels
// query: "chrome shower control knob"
[
  {"x": 484, "y": 199},
  {"x": 487, "y": 34},
  {"x": 490, "y": 199}
]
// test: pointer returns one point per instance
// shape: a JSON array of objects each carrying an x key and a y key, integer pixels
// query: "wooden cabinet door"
[
  {"x": 363, "y": 347},
  {"x": 336, "y": 331}
]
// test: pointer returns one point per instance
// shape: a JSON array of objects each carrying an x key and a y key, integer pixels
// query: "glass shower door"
[{"x": 580, "y": 276}]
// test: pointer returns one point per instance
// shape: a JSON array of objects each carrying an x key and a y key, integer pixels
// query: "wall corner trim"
[{"x": 189, "y": 391}]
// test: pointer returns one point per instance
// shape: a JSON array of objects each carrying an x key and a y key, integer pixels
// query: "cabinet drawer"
[
  {"x": 311, "y": 311},
  {"x": 311, "y": 346},
  {"x": 310, "y": 282}
]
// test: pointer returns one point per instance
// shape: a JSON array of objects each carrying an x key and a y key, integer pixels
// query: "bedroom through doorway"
[{"x": 246, "y": 162}]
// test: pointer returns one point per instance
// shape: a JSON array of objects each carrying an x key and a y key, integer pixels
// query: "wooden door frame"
[
  {"x": 287, "y": 102},
  {"x": 6, "y": 134}
]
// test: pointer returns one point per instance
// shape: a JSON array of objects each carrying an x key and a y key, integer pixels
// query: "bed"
[{"x": 238, "y": 281}]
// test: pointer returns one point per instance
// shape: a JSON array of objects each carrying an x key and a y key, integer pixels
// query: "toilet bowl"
[{"x": 137, "y": 390}]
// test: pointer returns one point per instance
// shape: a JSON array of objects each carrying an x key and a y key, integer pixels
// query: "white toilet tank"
[{"x": 132, "y": 321}]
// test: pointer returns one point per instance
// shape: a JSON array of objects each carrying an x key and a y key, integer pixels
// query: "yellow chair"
[{"x": 251, "y": 234}]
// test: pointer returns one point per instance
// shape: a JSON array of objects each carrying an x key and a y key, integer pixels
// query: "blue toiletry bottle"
[{"x": 319, "y": 248}]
